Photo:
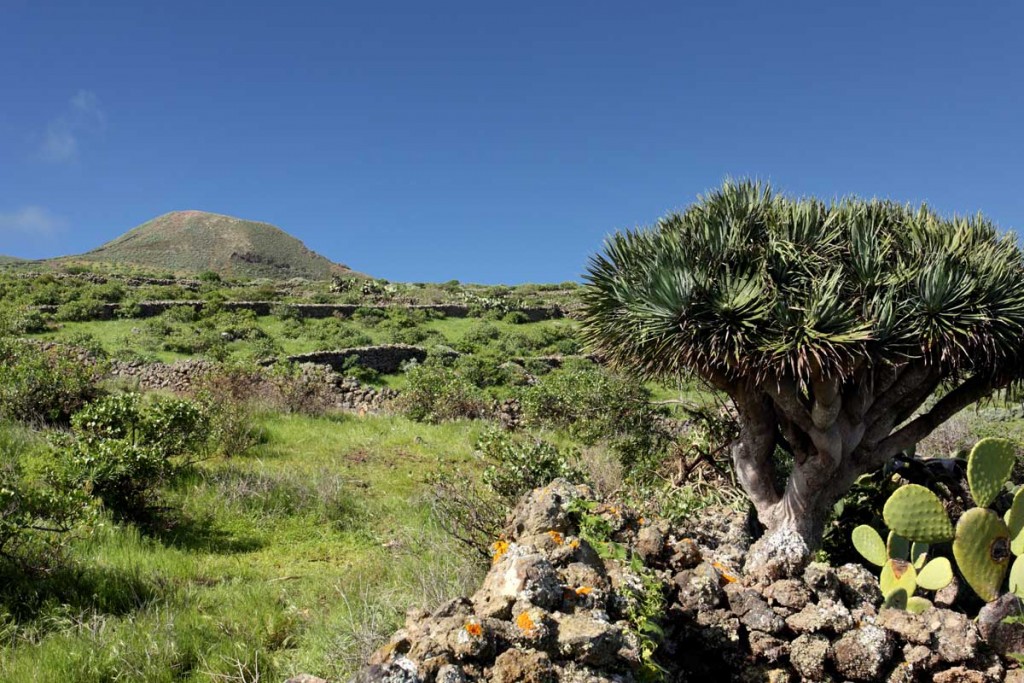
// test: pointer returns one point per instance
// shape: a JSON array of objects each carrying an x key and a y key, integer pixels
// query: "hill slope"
[{"x": 195, "y": 241}]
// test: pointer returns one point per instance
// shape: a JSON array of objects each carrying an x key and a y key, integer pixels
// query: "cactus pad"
[
  {"x": 916, "y": 604},
  {"x": 936, "y": 575},
  {"x": 982, "y": 551},
  {"x": 1017, "y": 577},
  {"x": 897, "y": 599},
  {"x": 898, "y": 547},
  {"x": 988, "y": 467},
  {"x": 898, "y": 574},
  {"x": 1015, "y": 522},
  {"x": 916, "y": 513},
  {"x": 918, "y": 555},
  {"x": 869, "y": 544}
]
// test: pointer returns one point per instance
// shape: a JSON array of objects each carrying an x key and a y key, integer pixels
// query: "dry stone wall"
[
  {"x": 552, "y": 610},
  {"x": 385, "y": 358},
  {"x": 149, "y": 309}
]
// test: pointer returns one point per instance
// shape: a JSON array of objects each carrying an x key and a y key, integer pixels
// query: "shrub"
[
  {"x": 438, "y": 392},
  {"x": 80, "y": 310},
  {"x": 32, "y": 515},
  {"x": 22, "y": 320},
  {"x": 45, "y": 386},
  {"x": 120, "y": 449},
  {"x": 593, "y": 404},
  {"x": 521, "y": 465}
]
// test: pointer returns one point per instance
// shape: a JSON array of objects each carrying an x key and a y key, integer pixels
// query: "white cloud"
[
  {"x": 83, "y": 116},
  {"x": 31, "y": 220}
]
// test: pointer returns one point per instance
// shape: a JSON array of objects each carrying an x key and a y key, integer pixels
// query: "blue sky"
[{"x": 491, "y": 142}]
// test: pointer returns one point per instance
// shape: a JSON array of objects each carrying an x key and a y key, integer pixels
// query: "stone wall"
[
  {"x": 386, "y": 358},
  {"x": 326, "y": 388},
  {"x": 552, "y": 610},
  {"x": 148, "y": 309}
]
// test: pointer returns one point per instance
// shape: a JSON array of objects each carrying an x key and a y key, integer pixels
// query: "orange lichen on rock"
[
  {"x": 574, "y": 544},
  {"x": 474, "y": 629},
  {"x": 556, "y": 537},
  {"x": 584, "y": 590},
  {"x": 498, "y": 548},
  {"x": 525, "y": 623},
  {"x": 723, "y": 570}
]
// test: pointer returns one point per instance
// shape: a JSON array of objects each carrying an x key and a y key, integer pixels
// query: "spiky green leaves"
[
  {"x": 982, "y": 551},
  {"x": 916, "y": 513},
  {"x": 752, "y": 284},
  {"x": 988, "y": 467}
]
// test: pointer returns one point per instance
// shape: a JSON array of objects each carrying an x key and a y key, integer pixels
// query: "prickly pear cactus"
[
  {"x": 935, "y": 575},
  {"x": 1015, "y": 523},
  {"x": 988, "y": 467},
  {"x": 916, "y": 604},
  {"x": 1017, "y": 577},
  {"x": 869, "y": 544},
  {"x": 898, "y": 575},
  {"x": 982, "y": 551},
  {"x": 915, "y": 513},
  {"x": 898, "y": 547}
]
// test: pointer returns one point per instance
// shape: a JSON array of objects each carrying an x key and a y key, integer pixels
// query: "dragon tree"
[{"x": 843, "y": 332}]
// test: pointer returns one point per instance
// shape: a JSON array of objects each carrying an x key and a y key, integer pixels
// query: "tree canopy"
[{"x": 830, "y": 325}]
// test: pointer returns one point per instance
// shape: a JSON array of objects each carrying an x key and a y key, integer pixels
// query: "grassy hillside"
[{"x": 195, "y": 241}]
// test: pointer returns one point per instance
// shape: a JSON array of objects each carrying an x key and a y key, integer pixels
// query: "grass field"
[{"x": 299, "y": 557}]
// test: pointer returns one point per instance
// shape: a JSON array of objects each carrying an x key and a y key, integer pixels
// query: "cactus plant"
[
  {"x": 988, "y": 467},
  {"x": 869, "y": 544},
  {"x": 915, "y": 513},
  {"x": 982, "y": 551},
  {"x": 983, "y": 542},
  {"x": 904, "y": 568}
]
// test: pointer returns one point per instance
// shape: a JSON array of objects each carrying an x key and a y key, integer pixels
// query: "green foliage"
[
  {"x": 44, "y": 386},
  {"x": 593, "y": 404},
  {"x": 32, "y": 515},
  {"x": 747, "y": 283},
  {"x": 120, "y": 449},
  {"x": 437, "y": 392},
  {"x": 517, "y": 465}
]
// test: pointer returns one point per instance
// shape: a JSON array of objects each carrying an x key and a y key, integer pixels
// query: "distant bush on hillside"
[
  {"x": 438, "y": 391},
  {"x": 44, "y": 386},
  {"x": 594, "y": 404}
]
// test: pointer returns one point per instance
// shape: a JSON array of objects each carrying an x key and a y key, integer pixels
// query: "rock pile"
[
  {"x": 551, "y": 609},
  {"x": 182, "y": 377}
]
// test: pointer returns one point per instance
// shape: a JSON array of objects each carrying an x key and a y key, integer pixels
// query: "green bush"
[
  {"x": 593, "y": 404},
  {"x": 44, "y": 386},
  {"x": 120, "y": 449},
  {"x": 80, "y": 310},
  {"x": 32, "y": 515},
  {"x": 438, "y": 392},
  {"x": 517, "y": 466}
]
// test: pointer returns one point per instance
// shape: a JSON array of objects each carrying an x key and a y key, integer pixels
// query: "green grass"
[{"x": 300, "y": 557}]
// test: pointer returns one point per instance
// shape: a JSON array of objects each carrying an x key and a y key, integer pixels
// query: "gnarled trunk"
[{"x": 835, "y": 431}]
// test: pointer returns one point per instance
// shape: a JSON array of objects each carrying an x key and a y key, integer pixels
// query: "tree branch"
[{"x": 971, "y": 391}]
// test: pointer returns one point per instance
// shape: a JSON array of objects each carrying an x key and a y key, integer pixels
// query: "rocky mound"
[
  {"x": 196, "y": 241},
  {"x": 551, "y": 609}
]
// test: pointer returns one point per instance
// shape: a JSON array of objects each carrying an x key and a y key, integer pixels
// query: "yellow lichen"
[
  {"x": 556, "y": 537},
  {"x": 498, "y": 548},
  {"x": 574, "y": 544},
  {"x": 584, "y": 590}
]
